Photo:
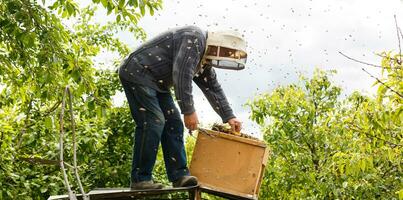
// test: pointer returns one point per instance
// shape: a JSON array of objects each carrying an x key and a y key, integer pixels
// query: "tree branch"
[
  {"x": 370, "y": 136},
  {"x": 389, "y": 170},
  {"x": 401, "y": 34},
  {"x": 398, "y": 39},
  {"x": 359, "y": 61},
  {"x": 26, "y": 126},
  {"x": 379, "y": 81},
  {"x": 388, "y": 57},
  {"x": 357, "y": 128},
  {"x": 66, "y": 181},
  {"x": 40, "y": 161},
  {"x": 75, "y": 144},
  {"x": 1, "y": 139},
  {"x": 53, "y": 108}
]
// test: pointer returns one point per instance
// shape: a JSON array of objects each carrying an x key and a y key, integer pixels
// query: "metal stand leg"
[{"x": 197, "y": 194}]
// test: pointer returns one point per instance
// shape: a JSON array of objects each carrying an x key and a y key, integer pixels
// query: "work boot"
[
  {"x": 185, "y": 181},
  {"x": 146, "y": 185}
]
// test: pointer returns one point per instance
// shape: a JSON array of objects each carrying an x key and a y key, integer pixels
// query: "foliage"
[
  {"x": 39, "y": 56},
  {"x": 327, "y": 148}
]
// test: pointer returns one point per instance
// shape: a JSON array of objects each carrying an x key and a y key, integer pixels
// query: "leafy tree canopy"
[
  {"x": 39, "y": 56},
  {"x": 325, "y": 147}
]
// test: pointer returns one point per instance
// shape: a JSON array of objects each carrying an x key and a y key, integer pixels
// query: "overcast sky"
[{"x": 284, "y": 39}]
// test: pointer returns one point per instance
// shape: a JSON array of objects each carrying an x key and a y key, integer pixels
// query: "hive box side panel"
[
  {"x": 227, "y": 164},
  {"x": 263, "y": 169}
]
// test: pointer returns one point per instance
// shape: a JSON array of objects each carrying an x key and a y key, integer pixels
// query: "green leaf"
[
  {"x": 76, "y": 75},
  {"x": 400, "y": 193},
  {"x": 91, "y": 105},
  {"x": 110, "y": 9},
  {"x": 64, "y": 14},
  {"x": 121, "y": 3},
  {"x": 99, "y": 111},
  {"x": 151, "y": 11},
  {"x": 54, "y": 5},
  {"x": 48, "y": 122},
  {"x": 70, "y": 9},
  {"x": 142, "y": 10},
  {"x": 105, "y": 3},
  {"x": 44, "y": 189}
]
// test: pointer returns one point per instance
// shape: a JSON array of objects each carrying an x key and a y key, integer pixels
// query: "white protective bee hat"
[{"x": 226, "y": 50}]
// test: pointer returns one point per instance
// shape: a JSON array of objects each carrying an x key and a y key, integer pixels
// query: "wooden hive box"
[{"x": 229, "y": 163}]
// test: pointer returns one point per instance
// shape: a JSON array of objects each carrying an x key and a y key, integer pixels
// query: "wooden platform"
[{"x": 192, "y": 193}]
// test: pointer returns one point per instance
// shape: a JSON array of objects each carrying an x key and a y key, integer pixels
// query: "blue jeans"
[{"x": 157, "y": 120}]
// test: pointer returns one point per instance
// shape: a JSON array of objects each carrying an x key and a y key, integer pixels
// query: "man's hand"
[
  {"x": 236, "y": 125},
  {"x": 191, "y": 121}
]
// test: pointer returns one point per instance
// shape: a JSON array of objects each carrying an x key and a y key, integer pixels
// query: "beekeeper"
[{"x": 172, "y": 60}]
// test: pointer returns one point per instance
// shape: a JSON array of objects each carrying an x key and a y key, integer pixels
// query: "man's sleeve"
[
  {"x": 185, "y": 62},
  {"x": 207, "y": 82}
]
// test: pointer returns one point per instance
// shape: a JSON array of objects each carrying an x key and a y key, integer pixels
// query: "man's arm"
[
  {"x": 184, "y": 64},
  {"x": 189, "y": 52},
  {"x": 207, "y": 82}
]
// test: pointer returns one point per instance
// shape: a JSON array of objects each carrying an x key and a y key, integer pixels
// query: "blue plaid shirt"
[{"x": 172, "y": 59}]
